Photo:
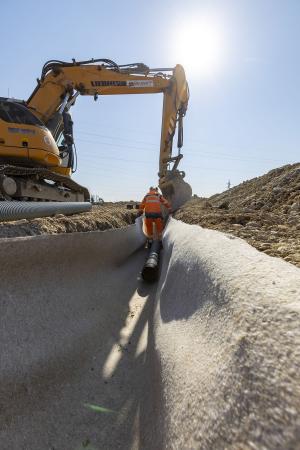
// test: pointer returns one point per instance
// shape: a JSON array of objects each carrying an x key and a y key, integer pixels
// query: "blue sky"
[{"x": 243, "y": 118}]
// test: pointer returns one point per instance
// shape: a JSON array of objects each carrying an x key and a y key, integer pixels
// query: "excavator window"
[{"x": 14, "y": 113}]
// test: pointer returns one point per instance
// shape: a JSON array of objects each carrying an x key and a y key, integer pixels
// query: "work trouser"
[{"x": 153, "y": 225}]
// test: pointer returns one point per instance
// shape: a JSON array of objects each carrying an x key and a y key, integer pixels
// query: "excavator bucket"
[{"x": 175, "y": 189}]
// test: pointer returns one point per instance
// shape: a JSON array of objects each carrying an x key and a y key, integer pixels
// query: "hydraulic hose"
[{"x": 32, "y": 210}]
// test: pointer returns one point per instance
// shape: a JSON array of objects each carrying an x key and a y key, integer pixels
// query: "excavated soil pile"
[
  {"x": 102, "y": 217},
  {"x": 265, "y": 211}
]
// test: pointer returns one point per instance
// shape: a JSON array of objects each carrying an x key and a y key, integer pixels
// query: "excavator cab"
[{"x": 24, "y": 139}]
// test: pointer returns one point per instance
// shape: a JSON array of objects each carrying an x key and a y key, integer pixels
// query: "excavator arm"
[{"x": 61, "y": 83}]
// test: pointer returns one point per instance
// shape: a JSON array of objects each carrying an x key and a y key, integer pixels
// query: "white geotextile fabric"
[
  {"x": 222, "y": 364},
  {"x": 227, "y": 345},
  {"x": 64, "y": 300}
]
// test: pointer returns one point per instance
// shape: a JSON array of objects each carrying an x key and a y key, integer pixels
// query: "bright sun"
[{"x": 200, "y": 47}]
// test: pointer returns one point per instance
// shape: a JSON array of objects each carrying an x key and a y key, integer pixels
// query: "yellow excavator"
[{"x": 37, "y": 156}]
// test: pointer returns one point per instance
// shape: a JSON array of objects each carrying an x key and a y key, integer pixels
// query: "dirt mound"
[
  {"x": 102, "y": 217},
  {"x": 265, "y": 211}
]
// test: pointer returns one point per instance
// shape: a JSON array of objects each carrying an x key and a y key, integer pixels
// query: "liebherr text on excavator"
[{"x": 36, "y": 136}]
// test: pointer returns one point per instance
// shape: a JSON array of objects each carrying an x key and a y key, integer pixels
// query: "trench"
[{"x": 93, "y": 358}]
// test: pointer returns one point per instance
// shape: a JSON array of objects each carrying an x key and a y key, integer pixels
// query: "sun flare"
[{"x": 200, "y": 47}]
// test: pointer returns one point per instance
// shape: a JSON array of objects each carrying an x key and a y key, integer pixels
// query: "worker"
[{"x": 151, "y": 206}]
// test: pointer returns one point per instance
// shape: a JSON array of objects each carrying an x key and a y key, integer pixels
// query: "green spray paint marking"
[{"x": 97, "y": 408}]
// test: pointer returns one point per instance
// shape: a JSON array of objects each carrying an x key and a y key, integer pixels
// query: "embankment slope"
[{"x": 227, "y": 339}]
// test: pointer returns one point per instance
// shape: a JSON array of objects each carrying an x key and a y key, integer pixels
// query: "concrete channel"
[{"x": 93, "y": 358}]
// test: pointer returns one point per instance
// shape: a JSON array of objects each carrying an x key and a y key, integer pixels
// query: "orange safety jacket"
[{"x": 151, "y": 205}]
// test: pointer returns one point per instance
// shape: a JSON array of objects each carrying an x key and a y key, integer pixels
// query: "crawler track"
[{"x": 44, "y": 174}]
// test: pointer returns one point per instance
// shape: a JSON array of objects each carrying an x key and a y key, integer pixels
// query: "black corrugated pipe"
[
  {"x": 32, "y": 210},
  {"x": 151, "y": 267}
]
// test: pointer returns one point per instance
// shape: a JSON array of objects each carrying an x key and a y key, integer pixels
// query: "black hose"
[
  {"x": 150, "y": 270},
  {"x": 52, "y": 64}
]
